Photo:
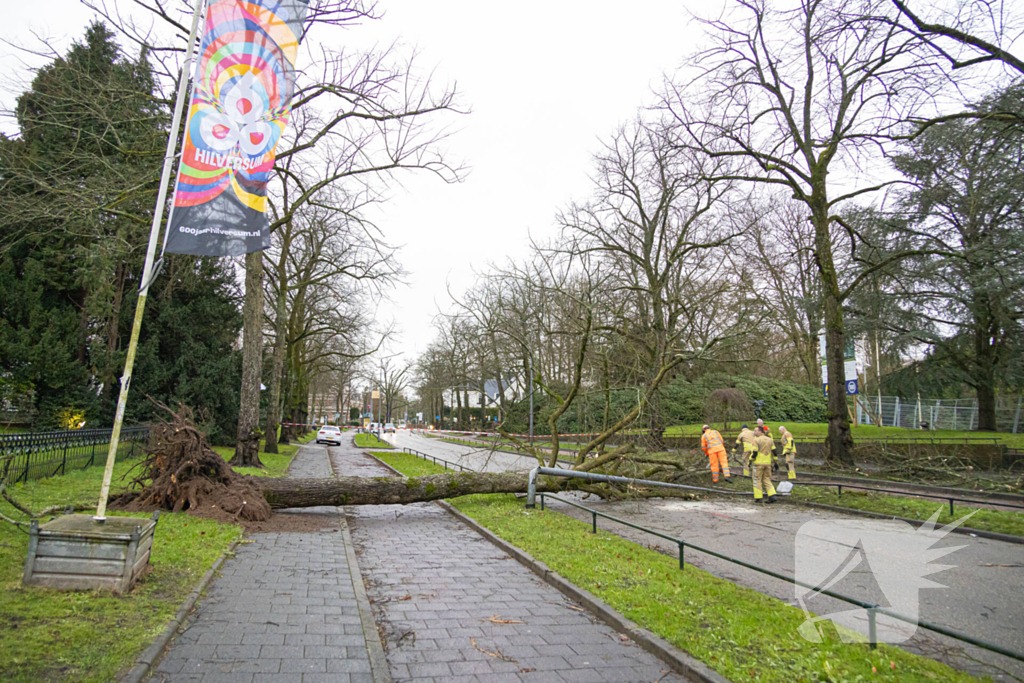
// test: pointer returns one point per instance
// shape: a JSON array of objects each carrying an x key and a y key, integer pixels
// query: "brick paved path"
[
  {"x": 283, "y": 610},
  {"x": 440, "y": 592}
]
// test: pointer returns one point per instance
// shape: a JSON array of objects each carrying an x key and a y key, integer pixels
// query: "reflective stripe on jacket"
[
  {"x": 788, "y": 446},
  {"x": 764, "y": 450},
  {"x": 711, "y": 440}
]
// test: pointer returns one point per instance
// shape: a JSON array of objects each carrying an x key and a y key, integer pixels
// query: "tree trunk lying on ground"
[
  {"x": 183, "y": 473},
  {"x": 299, "y": 493}
]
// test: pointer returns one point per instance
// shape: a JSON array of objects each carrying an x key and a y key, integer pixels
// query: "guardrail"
[
  {"x": 938, "y": 496},
  {"x": 37, "y": 455},
  {"x": 872, "y": 609},
  {"x": 436, "y": 460}
]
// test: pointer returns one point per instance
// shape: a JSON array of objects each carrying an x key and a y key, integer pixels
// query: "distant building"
[{"x": 512, "y": 389}]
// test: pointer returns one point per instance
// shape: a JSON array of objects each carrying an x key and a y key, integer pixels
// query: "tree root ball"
[{"x": 182, "y": 472}]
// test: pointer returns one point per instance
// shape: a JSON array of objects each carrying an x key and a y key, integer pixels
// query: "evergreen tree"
[{"x": 77, "y": 190}]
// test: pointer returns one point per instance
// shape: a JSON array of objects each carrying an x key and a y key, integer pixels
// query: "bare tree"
[
  {"x": 804, "y": 99},
  {"x": 656, "y": 228}
]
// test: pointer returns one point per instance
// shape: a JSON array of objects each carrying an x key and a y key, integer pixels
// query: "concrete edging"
[
  {"x": 152, "y": 654},
  {"x": 980, "y": 533},
  {"x": 681, "y": 662},
  {"x": 378, "y": 661},
  {"x": 379, "y": 669}
]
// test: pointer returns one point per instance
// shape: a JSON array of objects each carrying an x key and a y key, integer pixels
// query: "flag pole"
[{"x": 147, "y": 271}]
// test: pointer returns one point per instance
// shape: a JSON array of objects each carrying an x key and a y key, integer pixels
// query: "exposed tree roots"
[{"x": 182, "y": 472}]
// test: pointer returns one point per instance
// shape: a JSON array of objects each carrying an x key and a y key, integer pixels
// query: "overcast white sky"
[{"x": 544, "y": 81}]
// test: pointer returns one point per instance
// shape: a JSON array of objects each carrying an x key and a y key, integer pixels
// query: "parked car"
[
  {"x": 329, "y": 434},
  {"x": 389, "y": 428}
]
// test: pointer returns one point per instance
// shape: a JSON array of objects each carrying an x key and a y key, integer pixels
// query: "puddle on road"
[{"x": 707, "y": 506}]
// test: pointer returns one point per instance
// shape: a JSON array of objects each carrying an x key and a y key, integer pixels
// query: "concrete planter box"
[{"x": 73, "y": 552}]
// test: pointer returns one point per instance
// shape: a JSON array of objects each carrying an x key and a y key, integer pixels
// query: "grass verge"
[
  {"x": 92, "y": 637},
  {"x": 740, "y": 633},
  {"x": 409, "y": 464},
  {"x": 999, "y": 521},
  {"x": 367, "y": 440},
  {"x": 275, "y": 464},
  {"x": 816, "y": 429}
]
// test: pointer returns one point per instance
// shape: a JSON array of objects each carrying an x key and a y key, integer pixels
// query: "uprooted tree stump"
[{"x": 182, "y": 472}]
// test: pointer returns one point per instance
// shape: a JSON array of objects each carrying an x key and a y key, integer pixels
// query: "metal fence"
[
  {"x": 37, "y": 455},
  {"x": 872, "y": 610},
  {"x": 956, "y": 413}
]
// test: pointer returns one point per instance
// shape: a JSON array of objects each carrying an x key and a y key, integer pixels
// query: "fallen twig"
[{"x": 496, "y": 654}]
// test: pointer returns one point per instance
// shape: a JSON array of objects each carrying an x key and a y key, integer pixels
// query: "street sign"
[
  {"x": 849, "y": 366},
  {"x": 851, "y": 388}
]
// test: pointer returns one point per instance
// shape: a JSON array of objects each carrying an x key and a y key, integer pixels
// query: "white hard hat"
[
  {"x": 781, "y": 428},
  {"x": 705, "y": 427}
]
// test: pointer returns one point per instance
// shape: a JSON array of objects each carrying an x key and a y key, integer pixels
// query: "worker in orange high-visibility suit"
[
  {"x": 714, "y": 448},
  {"x": 763, "y": 467},
  {"x": 789, "y": 451}
]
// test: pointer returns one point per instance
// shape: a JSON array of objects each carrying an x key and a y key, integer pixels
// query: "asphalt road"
[{"x": 979, "y": 592}]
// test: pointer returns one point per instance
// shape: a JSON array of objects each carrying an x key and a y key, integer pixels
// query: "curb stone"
[
  {"x": 378, "y": 661},
  {"x": 152, "y": 654},
  {"x": 379, "y": 668},
  {"x": 681, "y": 662},
  {"x": 980, "y": 533}
]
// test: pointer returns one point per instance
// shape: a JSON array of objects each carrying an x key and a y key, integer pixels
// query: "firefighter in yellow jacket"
[
  {"x": 745, "y": 441},
  {"x": 763, "y": 466},
  {"x": 789, "y": 451},
  {"x": 713, "y": 446}
]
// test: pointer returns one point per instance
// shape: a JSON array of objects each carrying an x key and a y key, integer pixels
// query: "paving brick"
[
  {"x": 461, "y": 589},
  {"x": 281, "y": 608}
]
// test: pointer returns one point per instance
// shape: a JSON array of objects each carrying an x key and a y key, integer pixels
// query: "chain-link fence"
[{"x": 956, "y": 413}]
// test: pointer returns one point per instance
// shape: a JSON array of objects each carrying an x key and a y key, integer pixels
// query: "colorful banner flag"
[{"x": 241, "y": 96}]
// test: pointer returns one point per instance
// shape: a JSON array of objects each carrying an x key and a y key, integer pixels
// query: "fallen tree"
[
  {"x": 300, "y": 493},
  {"x": 183, "y": 473}
]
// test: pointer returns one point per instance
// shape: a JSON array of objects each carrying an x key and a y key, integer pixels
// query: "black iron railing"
[
  {"x": 438, "y": 461},
  {"x": 914, "y": 494},
  {"x": 871, "y": 608},
  {"x": 37, "y": 455}
]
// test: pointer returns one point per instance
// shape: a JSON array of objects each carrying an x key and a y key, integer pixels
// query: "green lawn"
[
  {"x": 367, "y": 440},
  {"x": 742, "y": 634},
  {"x": 1000, "y": 521},
  {"x": 88, "y": 637},
  {"x": 816, "y": 429},
  {"x": 409, "y": 464},
  {"x": 276, "y": 464}
]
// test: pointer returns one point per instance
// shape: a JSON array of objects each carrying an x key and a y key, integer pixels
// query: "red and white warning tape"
[
  {"x": 303, "y": 424},
  {"x": 536, "y": 436}
]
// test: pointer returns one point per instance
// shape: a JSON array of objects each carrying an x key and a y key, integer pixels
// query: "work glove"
[{"x": 746, "y": 471}]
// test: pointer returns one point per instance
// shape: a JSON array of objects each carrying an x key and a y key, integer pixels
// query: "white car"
[
  {"x": 329, "y": 434},
  {"x": 389, "y": 428}
]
